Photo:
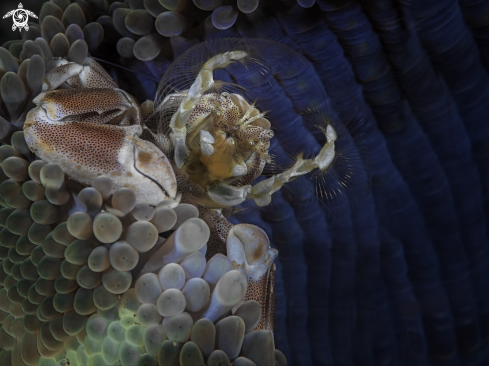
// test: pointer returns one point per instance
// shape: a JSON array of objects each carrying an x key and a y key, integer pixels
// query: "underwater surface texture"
[{"x": 394, "y": 275}]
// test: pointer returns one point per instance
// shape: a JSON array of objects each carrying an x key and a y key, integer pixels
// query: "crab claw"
[
  {"x": 92, "y": 132},
  {"x": 249, "y": 249}
]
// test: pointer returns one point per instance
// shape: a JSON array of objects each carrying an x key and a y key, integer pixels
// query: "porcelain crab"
[{"x": 199, "y": 145}]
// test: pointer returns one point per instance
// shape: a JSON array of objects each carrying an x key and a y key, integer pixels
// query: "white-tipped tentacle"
[
  {"x": 229, "y": 291},
  {"x": 189, "y": 238}
]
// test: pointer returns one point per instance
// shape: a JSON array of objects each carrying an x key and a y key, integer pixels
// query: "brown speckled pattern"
[
  {"x": 74, "y": 82},
  {"x": 62, "y": 69},
  {"x": 202, "y": 109},
  {"x": 94, "y": 79},
  {"x": 93, "y": 146},
  {"x": 66, "y": 102},
  {"x": 100, "y": 77},
  {"x": 219, "y": 227},
  {"x": 227, "y": 116},
  {"x": 271, "y": 299},
  {"x": 263, "y": 291},
  {"x": 148, "y": 135}
]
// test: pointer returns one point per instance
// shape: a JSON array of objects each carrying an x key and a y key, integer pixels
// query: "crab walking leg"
[
  {"x": 262, "y": 192},
  {"x": 248, "y": 248},
  {"x": 203, "y": 82}
]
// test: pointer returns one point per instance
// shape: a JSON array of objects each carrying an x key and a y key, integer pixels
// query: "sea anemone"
[
  {"x": 395, "y": 275},
  {"x": 78, "y": 279}
]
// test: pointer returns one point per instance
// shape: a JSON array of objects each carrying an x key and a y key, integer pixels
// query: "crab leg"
[
  {"x": 262, "y": 192},
  {"x": 248, "y": 248}
]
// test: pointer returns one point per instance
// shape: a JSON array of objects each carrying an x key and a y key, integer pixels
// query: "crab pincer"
[{"x": 93, "y": 132}]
